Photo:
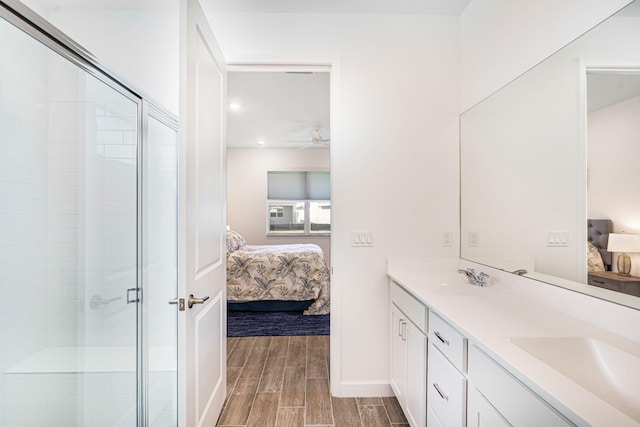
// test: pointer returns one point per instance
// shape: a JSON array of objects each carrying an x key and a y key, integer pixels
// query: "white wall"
[
  {"x": 394, "y": 155},
  {"x": 247, "y": 191},
  {"x": 501, "y": 39},
  {"x": 613, "y": 168},
  {"x": 139, "y": 46}
]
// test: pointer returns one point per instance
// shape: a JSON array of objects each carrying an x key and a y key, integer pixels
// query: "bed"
[
  {"x": 276, "y": 277},
  {"x": 598, "y": 231}
]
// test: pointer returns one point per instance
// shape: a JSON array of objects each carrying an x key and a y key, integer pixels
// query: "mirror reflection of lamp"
[{"x": 623, "y": 243}]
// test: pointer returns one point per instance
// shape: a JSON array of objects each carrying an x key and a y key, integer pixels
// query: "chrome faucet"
[{"x": 473, "y": 278}]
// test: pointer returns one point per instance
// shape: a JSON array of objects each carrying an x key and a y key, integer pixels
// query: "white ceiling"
[
  {"x": 103, "y": 4},
  {"x": 434, "y": 7},
  {"x": 282, "y": 109}
]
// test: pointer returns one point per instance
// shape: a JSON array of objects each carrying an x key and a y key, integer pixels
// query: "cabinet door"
[
  {"x": 514, "y": 401},
  {"x": 480, "y": 413},
  {"x": 416, "y": 376},
  {"x": 432, "y": 420},
  {"x": 398, "y": 367}
]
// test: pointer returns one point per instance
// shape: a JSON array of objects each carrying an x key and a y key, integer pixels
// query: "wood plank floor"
[{"x": 284, "y": 382}]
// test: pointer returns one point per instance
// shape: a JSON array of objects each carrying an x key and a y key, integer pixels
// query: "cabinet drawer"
[
  {"x": 512, "y": 399},
  {"x": 446, "y": 390},
  {"x": 608, "y": 280},
  {"x": 449, "y": 341},
  {"x": 410, "y": 306}
]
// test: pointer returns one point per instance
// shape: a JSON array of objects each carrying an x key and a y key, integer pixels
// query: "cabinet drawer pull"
[
  {"x": 444, "y": 341},
  {"x": 440, "y": 392},
  {"x": 404, "y": 331},
  {"x": 400, "y": 322}
]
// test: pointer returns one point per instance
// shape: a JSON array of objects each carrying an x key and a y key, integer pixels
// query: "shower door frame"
[
  {"x": 42, "y": 31},
  {"x": 149, "y": 110}
]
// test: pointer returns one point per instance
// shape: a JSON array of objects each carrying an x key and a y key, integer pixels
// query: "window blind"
[{"x": 298, "y": 186}]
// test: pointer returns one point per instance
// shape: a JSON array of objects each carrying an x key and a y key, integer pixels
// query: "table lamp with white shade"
[{"x": 624, "y": 243}]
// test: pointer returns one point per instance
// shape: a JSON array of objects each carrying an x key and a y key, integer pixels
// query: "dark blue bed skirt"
[{"x": 269, "y": 305}]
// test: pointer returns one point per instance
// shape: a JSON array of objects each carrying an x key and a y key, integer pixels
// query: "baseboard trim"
[{"x": 365, "y": 389}]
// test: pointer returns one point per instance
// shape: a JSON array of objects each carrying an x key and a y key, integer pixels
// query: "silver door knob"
[
  {"x": 192, "y": 300},
  {"x": 179, "y": 302}
]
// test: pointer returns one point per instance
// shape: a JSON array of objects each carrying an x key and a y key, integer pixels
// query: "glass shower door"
[
  {"x": 160, "y": 263},
  {"x": 69, "y": 142}
]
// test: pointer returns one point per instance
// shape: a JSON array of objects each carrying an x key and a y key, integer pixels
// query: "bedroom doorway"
[
  {"x": 278, "y": 200},
  {"x": 611, "y": 113}
]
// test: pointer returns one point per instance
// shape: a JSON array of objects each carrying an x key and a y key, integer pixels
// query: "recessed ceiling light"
[
  {"x": 261, "y": 142},
  {"x": 235, "y": 106}
]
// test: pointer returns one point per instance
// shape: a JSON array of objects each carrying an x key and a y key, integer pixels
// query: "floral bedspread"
[{"x": 279, "y": 272}]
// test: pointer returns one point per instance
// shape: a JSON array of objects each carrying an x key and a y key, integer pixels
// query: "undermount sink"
[
  {"x": 450, "y": 283},
  {"x": 606, "y": 371}
]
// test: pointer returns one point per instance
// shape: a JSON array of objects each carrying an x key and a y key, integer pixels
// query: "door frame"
[
  {"x": 149, "y": 110},
  {"x": 585, "y": 67},
  {"x": 332, "y": 66}
]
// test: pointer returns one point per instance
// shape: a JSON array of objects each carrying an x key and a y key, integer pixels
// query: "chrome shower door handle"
[
  {"x": 136, "y": 296},
  {"x": 192, "y": 300}
]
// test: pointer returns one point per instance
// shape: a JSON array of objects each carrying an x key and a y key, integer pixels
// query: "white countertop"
[{"x": 489, "y": 316}]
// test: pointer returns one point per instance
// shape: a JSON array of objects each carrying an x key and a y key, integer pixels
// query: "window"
[
  {"x": 276, "y": 211},
  {"x": 298, "y": 203}
]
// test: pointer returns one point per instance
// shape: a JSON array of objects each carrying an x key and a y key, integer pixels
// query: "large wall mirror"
[{"x": 558, "y": 146}]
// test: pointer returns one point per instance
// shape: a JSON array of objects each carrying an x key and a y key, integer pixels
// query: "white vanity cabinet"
[
  {"x": 499, "y": 355},
  {"x": 408, "y": 357},
  {"x": 514, "y": 403}
]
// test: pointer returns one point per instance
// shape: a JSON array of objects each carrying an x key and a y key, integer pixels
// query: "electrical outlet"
[
  {"x": 447, "y": 239},
  {"x": 474, "y": 238}
]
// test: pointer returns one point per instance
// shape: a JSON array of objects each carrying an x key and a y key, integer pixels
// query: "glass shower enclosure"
[{"x": 87, "y": 241}]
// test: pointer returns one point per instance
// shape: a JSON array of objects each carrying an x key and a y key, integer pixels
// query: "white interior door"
[{"x": 202, "y": 260}]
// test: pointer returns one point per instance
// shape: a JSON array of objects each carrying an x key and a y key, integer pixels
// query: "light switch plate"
[
  {"x": 557, "y": 239},
  {"x": 362, "y": 238}
]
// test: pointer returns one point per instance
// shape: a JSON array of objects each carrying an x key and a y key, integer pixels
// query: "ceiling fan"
[{"x": 316, "y": 141}]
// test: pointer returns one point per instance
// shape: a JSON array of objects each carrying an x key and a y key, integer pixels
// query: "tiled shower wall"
[
  {"x": 92, "y": 210},
  {"x": 161, "y": 273},
  {"x": 161, "y": 244},
  {"x": 23, "y": 198}
]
